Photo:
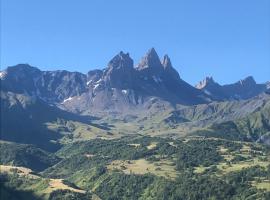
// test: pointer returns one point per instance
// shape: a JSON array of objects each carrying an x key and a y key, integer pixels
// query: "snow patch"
[
  {"x": 88, "y": 82},
  {"x": 68, "y": 99},
  {"x": 96, "y": 86},
  {"x": 99, "y": 81},
  {"x": 124, "y": 91},
  {"x": 3, "y": 74}
]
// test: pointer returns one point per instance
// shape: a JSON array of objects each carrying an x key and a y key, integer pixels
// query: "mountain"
[
  {"x": 118, "y": 87},
  {"x": 212, "y": 88},
  {"x": 30, "y": 120},
  {"x": 248, "y": 121},
  {"x": 68, "y": 135},
  {"x": 51, "y": 86},
  {"x": 121, "y": 88},
  {"x": 243, "y": 89},
  {"x": 49, "y": 108}
]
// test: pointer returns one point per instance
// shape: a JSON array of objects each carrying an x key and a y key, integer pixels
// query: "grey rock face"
[
  {"x": 120, "y": 72},
  {"x": 51, "y": 86},
  {"x": 170, "y": 72},
  {"x": 61, "y": 84},
  {"x": 94, "y": 75}
]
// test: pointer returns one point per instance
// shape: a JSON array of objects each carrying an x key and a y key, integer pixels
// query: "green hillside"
[{"x": 147, "y": 168}]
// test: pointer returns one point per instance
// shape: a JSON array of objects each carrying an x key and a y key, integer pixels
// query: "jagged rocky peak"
[
  {"x": 121, "y": 60},
  {"x": 120, "y": 71},
  {"x": 166, "y": 62},
  {"x": 205, "y": 82},
  {"x": 169, "y": 70},
  {"x": 247, "y": 81},
  {"x": 150, "y": 60}
]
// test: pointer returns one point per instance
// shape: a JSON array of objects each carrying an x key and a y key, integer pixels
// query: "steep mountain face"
[
  {"x": 120, "y": 72},
  {"x": 122, "y": 88},
  {"x": 51, "y": 86},
  {"x": 168, "y": 68},
  {"x": 243, "y": 89}
]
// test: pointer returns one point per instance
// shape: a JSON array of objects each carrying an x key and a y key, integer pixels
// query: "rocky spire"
[
  {"x": 121, "y": 60},
  {"x": 170, "y": 72},
  {"x": 166, "y": 62},
  {"x": 205, "y": 82},
  {"x": 248, "y": 81},
  {"x": 120, "y": 71},
  {"x": 150, "y": 60}
]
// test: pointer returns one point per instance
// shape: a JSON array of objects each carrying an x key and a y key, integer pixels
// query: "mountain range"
[{"x": 149, "y": 98}]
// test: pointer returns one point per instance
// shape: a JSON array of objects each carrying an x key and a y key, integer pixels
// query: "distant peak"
[
  {"x": 209, "y": 79},
  {"x": 205, "y": 82},
  {"x": 152, "y": 51},
  {"x": 22, "y": 68},
  {"x": 247, "y": 81}
]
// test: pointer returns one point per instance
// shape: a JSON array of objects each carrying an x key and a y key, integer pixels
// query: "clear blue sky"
[{"x": 228, "y": 39}]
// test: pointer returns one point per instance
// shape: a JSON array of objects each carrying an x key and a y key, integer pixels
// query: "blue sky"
[{"x": 228, "y": 39}]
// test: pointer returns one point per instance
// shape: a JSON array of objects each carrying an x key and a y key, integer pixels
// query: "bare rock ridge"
[
  {"x": 205, "y": 82},
  {"x": 121, "y": 85},
  {"x": 212, "y": 88},
  {"x": 243, "y": 89}
]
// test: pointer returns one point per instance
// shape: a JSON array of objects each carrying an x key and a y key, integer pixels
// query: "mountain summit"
[
  {"x": 120, "y": 71},
  {"x": 168, "y": 68},
  {"x": 150, "y": 60}
]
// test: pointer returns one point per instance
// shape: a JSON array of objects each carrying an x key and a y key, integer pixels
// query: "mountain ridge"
[
  {"x": 243, "y": 89},
  {"x": 150, "y": 98}
]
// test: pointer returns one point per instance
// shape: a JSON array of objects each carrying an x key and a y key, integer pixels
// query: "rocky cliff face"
[{"x": 51, "y": 86}]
